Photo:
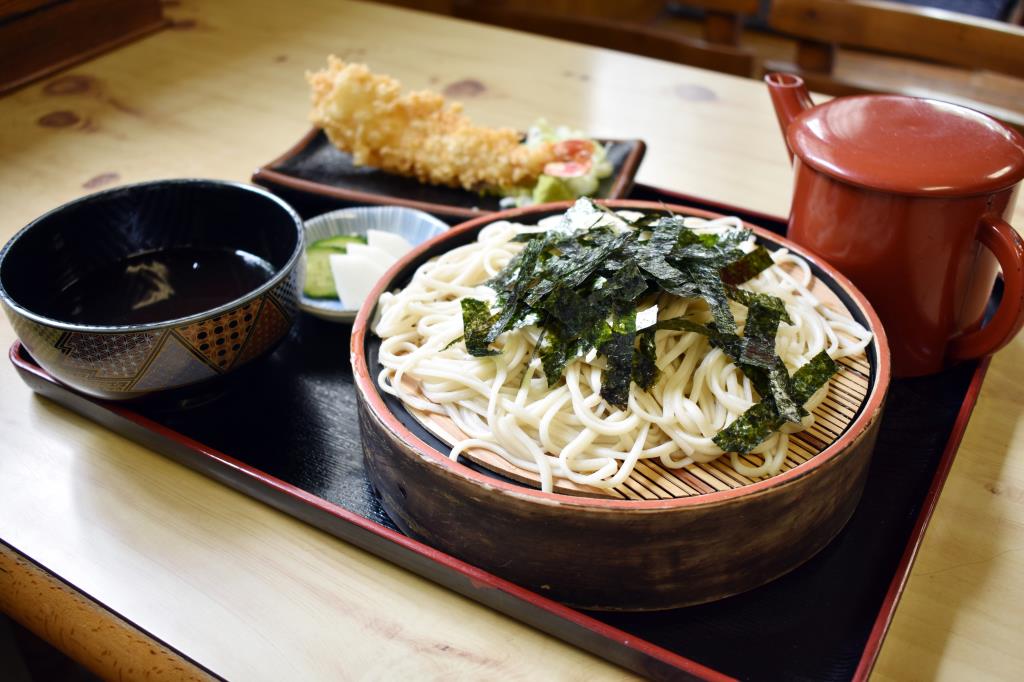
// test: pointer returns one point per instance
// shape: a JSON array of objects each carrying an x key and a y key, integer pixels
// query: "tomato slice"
[
  {"x": 567, "y": 169},
  {"x": 574, "y": 150}
]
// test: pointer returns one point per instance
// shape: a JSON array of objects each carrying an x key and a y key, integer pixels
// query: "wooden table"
[{"x": 250, "y": 593}]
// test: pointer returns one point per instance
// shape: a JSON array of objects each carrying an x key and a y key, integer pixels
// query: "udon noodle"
[{"x": 503, "y": 403}]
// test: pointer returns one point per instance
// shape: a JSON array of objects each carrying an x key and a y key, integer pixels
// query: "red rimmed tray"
[{"x": 824, "y": 621}]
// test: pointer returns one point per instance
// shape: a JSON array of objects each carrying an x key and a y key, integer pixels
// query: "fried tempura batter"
[{"x": 417, "y": 134}]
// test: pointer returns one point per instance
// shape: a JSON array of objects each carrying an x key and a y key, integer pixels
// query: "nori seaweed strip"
[
  {"x": 577, "y": 313},
  {"x": 788, "y": 407},
  {"x": 768, "y": 382},
  {"x": 711, "y": 289},
  {"x": 733, "y": 239},
  {"x": 627, "y": 285},
  {"x": 555, "y": 354},
  {"x": 645, "y": 221},
  {"x": 507, "y": 277},
  {"x": 571, "y": 282},
  {"x": 570, "y": 309},
  {"x": 749, "y": 429},
  {"x": 812, "y": 376},
  {"x": 595, "y": 337},
  {"x": 667, "y": 276},
  {"x": 524, "y": 237},
  {"x": 722, "y": 249},
  {"x": 759, "y": 351},
  {"x": 618, "y": 351},
  {"x": 689, "y": 245},
  {"x": 749, "y": 299},
  {"x": 645, "y": 368},
  {"x": 581, "y": 322},
  {"x": 512, "y": 302},
  {"x": 747, "y": 267},
  {"x": 477, "y": 321},
  {"x": 759, "y": 335},
  {"x": 757, "y": 423},
  {"x": 573, "y": 271},
  {"x": 651, "y": 256},
  {"x": 764, "y": 314},
  {"x": 700, "y": 257}
]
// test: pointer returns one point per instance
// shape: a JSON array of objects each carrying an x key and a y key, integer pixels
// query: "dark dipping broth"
[{"x": 159, "y": 286}]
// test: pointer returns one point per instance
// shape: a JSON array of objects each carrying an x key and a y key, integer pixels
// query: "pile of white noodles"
[{"x": 503, "y": 404}]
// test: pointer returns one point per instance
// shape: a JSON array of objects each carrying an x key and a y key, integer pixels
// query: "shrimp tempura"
[{"x": 417, "y": 134}]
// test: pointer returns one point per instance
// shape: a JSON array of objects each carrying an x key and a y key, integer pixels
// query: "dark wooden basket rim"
[{"x": 365, "y": 383}]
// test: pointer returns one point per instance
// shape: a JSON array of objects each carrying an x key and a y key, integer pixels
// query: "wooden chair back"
[
  {"x": 627, "y": 26},
  {"x": 932, "y": 35}
]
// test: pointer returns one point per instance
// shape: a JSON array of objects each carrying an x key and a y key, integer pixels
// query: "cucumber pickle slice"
[{"x": 319, "y": 280}]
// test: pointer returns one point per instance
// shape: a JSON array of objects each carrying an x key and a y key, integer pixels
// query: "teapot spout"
[{"x": 789, "y": 97}]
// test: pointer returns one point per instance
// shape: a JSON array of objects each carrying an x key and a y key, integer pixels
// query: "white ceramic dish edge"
[{"x": 414, "y": 226}]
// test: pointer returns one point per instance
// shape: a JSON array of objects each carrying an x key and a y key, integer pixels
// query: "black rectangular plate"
[
  {"x": 823, "y": 621},
  {"x": 316, "y": 171}
]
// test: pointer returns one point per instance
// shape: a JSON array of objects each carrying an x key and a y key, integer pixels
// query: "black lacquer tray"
[{"x": 824, "y": 621}]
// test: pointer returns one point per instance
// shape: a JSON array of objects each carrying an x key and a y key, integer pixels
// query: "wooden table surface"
[{"x": 250, "y": 593}]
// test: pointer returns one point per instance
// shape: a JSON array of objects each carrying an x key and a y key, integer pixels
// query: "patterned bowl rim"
[{"x": 282, "y": 273}]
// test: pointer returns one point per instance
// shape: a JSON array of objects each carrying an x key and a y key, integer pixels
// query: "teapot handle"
[{"x": 1003, "y": 241}]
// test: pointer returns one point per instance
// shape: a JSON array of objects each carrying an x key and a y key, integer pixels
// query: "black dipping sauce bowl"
[{"x": 154, "y": 287}]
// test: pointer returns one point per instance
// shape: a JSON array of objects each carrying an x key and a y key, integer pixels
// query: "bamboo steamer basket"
[{"x": 666, "y": 538}]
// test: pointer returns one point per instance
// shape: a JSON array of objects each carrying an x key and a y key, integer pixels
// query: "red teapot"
[{"x": 909, "y": 198}]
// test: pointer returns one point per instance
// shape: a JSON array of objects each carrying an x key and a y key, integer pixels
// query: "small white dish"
[{"x": 414, "y": 226}]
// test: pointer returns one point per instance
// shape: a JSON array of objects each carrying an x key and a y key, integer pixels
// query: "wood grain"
[
  {"x": 98, "y": 639},
  {"x": 47, "y": 38},
  {"x": 12, "y": 8},
  {"x": 927, "y": 33},
  {"x": 720, "y": 54},
  {"x": 253, "y": 594},
  {"x": 980, "y": 47},
  {"x": 1002, "y": 95}
]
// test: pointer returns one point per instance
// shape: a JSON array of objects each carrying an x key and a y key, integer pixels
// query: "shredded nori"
[
  {"x": 769, "y": 376},
  {"x": 567, "y": 306},
  {"x": 651, "y": 255},
  {"x": 618, "y": 351},
  {"x": 763, "y": 418},
  {"x": 513, "y": 311},
  {"x": 747, "y": 267},
  {"x": 645, "y": 368},
  {"x": 455, "y": 341},
  {"x": 476, "y": 320},
  {"x": 555, "y": 353},
  {"x": 763, "y": 318},
  {"x": 749, "y": 298},
  {"x": 582, "y": 287},
  {"x": 809, "y": 379},
  {"x": 572, "y": 268},
  {"x": 750, "y": 428}
]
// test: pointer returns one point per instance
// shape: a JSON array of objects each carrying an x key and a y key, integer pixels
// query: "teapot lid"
[{"x": 908, "y": 145}]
